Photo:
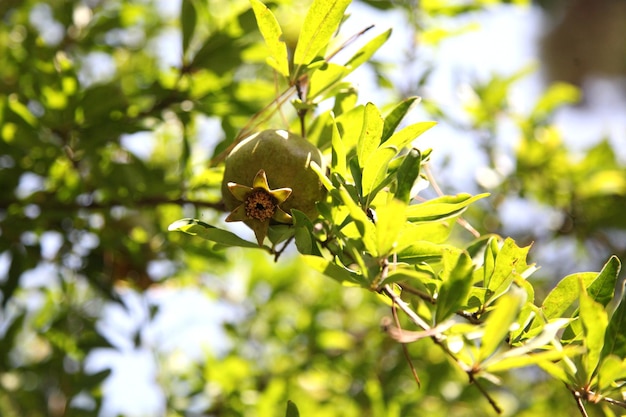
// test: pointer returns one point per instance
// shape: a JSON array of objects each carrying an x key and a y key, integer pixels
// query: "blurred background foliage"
[{"x": 109, "y": 113}]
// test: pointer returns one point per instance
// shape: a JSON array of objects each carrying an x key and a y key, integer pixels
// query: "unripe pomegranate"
[{"x": 268, "y": 174}]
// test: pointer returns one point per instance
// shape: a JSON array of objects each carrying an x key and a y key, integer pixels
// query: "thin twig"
[
  {"x": 405, "y": 350},
  {"x": 484, "y": 392},
  {"x": 579, "y": 402},
  {"x": 438, "y": 339}
]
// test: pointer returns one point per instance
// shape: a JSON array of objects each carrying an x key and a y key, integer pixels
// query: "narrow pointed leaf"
[
  {"x": 324, "y": 78},
  {"x": 333, "y": 270},
  {"x": 615, "y": 337},
  {"x": 370, "y": 134},
  {"x": 393, "y": 119},
  {"x": 272, "y": 34},
  {"x": 338, "y": 152},
  {"x": 499, "y": 321},
  {"x": 441, "y": 207},
  {"x": 602, "y": 289},
  {"x": 206, "y": 231},
  {"x": 321, "y": 21},
  {"x": 292, "y": 410},
  {"x": 375, "y": 171},
  {"x": 188, "y": 20},
  {"x": 457, "y": 281},
  {"x": 404, "y": 137},
  {"x": 390, "y": 220},
  {"x": 407, "y": 174},
  {"x": 365, "y": 53},
  {"x": 511, "y": 260},
  {"x": 594, "y": 322}
]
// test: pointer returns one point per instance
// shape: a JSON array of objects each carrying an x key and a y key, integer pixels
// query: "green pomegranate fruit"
[{"x": 268, "y": 174}]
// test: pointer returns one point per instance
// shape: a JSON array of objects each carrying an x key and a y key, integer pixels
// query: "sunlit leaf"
[
  {"x": 370, "y": 134},
  {"x": 324, "y": 78},
  {"x": 338, "y": 164},
  {"x": 395, "y": 116},
  {"x": 600, "y": 287},
  {"x": 420, "y": 251},
  {"x": 594, "y": 322},
  {"x": 407, "y": 174},
  {"x": 273, "y": 36},
  {"x": 565, "y": 293},
  {"x": 499, "y": 321},
  {"x": 407, "y": 135},
  {"x": 539, "y": 358},
  {"x": 321, "y": 21},
  {"x": 510, "y": 262},
  {"x": 389, "y": 223},
  {"x": 558, "y": 94},
  {"x": 611, "y": 370},
  {"x": 615, "y": 338},
  {"x": 332, "y": 270},
  {"x": 441, "y": 207},
  {"x": 206, "y": 231},
  {"x": 365, "y": 53},
  {"x": 375, "y": 171},
  {"x": 457, "y": 281}
]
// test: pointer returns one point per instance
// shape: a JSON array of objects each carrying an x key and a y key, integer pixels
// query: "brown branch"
[
  {"x": 52, "y": 204},
  {"x": 404, "y": 348},
  {"x": 579, "y": 402},
  {"x": 438, "y": 339}
]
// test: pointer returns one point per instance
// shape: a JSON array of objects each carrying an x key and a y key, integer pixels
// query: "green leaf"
[
  {"x": 615, "y": 338},
  {"x": 602, "y": 289},
  {"x": 292, "y": 410},
  {"x": 594, "y": 322},
  {"x": 333, "y": 270},
  {"x": 524, "y": 360},
  {"x": 499, "y": 321},
  {"x": 457, "y": 282},
  {"x": 206, "y": 231},
  {"x": 510, "y": 262},
  {"x": 420, "y": 251},
  {"x": 370, "y": 134},
  {"x": 324, "y": 78},
  {"x": 305, "y": 241},
  {"x": 565, "y": 293},
  {"x": 321, "y": 21},
  {"x": 364, "y": 54},
  {"x": 600, "y": 286},
  {"x": 612, "y": 370},
  {"x": 188, "y": 20},
  {"x": 557, "y": 95},
  {"x": 375, "y": 171},
  {"x": 407, "y": 135},
  {"x": 338, "y": 164},
  {"x": 389, "y": 223},
  {"x": 272, "y": 34},
  {"x": 350, "y": 125},
  {"x": 364, "y": 225},
  {"x": 407, "y": 174},
  {"x": 395, "y": 116},
  {"x": 441, "y": 207}
]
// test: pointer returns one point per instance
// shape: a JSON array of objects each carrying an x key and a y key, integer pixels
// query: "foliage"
[{"x": 86, "y": 222}]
